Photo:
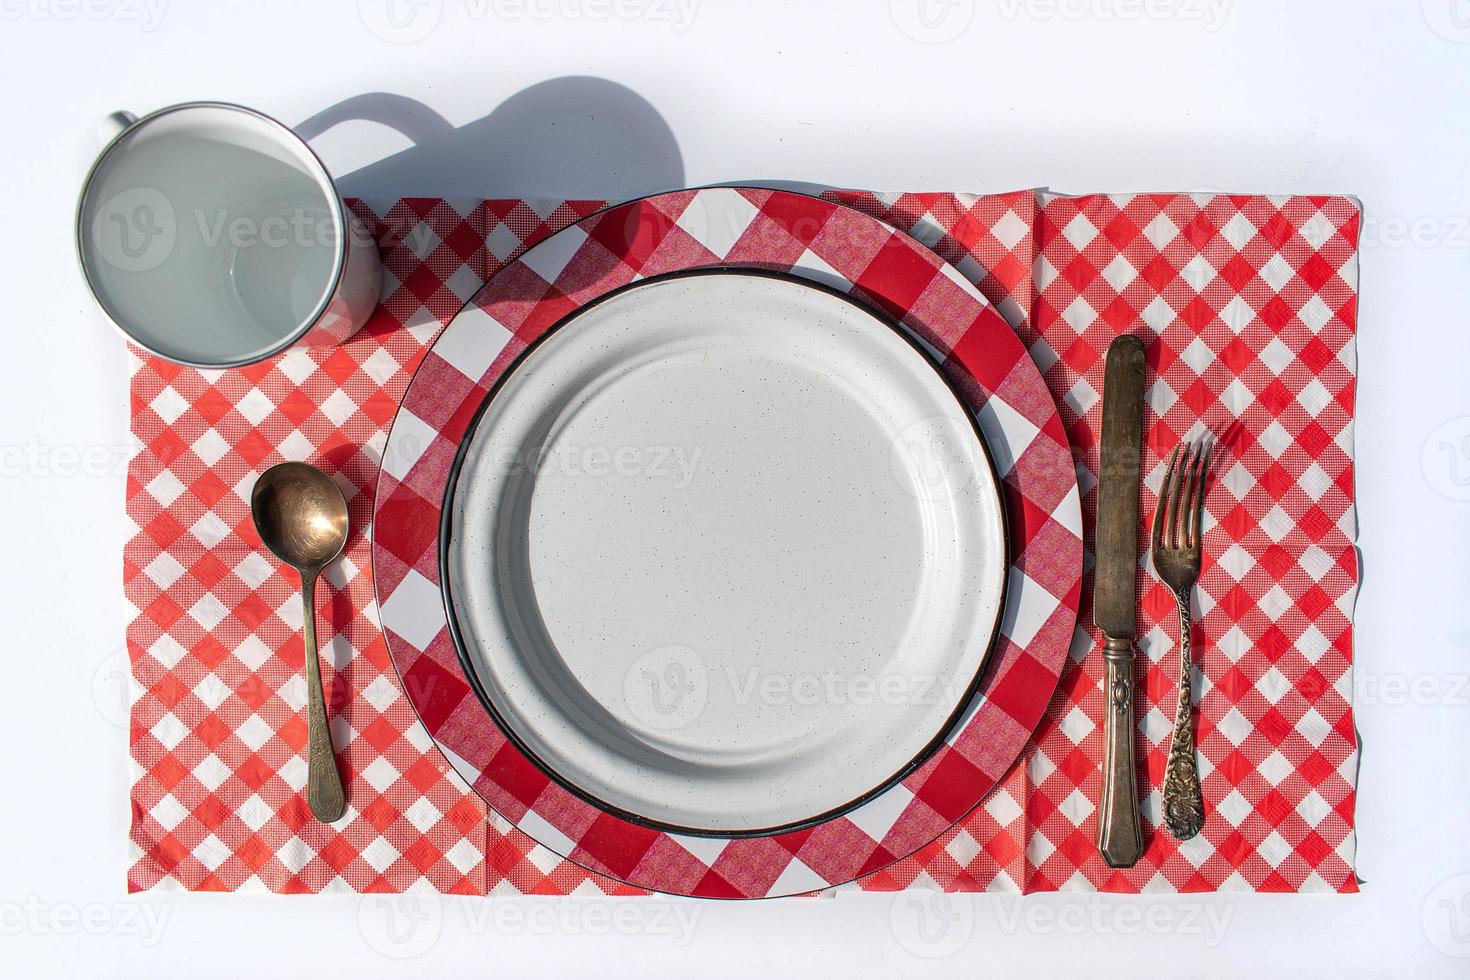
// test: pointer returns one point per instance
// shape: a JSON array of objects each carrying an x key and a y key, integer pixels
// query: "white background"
[{"x": 982, "y": 95}]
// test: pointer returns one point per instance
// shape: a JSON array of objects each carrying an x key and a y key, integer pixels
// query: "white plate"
[{"x": 725, "y": 553}]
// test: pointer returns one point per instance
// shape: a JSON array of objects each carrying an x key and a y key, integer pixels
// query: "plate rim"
[
  {"x": 446, "y": 528},
  {"x": 1062, "y": 591}
]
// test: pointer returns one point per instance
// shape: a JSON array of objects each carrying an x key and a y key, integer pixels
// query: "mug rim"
[{"x": 335, "y": 203}]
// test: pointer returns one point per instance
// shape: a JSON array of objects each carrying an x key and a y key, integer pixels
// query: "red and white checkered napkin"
[{"x": 1249, "y": 307}]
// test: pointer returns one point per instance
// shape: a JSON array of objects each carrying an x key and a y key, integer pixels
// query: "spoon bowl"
[
  {"x": 302, "y": 518},
  {"x": 301, "y": 515}
]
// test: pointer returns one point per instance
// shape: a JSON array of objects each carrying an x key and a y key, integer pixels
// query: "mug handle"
[{"x": 115, "y": 125}]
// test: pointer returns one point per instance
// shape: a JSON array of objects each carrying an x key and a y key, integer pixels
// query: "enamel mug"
[{"x": 213, "y": 236}]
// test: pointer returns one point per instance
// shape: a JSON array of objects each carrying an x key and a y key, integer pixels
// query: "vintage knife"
[{"x": 1119, "y": 836}]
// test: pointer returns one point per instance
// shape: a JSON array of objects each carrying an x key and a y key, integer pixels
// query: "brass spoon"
[{"x": 302, "y": 518}]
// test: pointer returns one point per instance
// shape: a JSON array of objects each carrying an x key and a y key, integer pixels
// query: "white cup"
[{"x": 213, "y": 236}]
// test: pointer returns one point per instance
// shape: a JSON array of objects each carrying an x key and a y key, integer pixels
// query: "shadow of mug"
[{"x": 575, "y": 137}]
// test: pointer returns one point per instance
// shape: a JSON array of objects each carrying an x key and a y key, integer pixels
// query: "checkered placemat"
[{"x": 1249, "y": 308}]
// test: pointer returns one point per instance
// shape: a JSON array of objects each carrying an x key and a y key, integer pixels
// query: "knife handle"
[{"x": 1119, "y": 835}]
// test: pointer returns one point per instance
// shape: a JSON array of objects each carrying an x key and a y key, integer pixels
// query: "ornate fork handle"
[{"x": 1184, "y": 805}]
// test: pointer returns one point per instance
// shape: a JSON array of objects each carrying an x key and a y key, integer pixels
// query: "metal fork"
[{"x": 1176, "y": 555}]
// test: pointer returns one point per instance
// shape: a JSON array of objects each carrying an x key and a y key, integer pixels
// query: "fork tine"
[
  {"x": 1171, "y": 503},
  {"x": 1176, "y": 496},
  {"x": 1186, "y": 506},
  {"x": 1197, "y": 514},
  {"x": 1163, "y": 499}
]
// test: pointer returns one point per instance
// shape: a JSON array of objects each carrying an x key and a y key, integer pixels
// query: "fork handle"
[
  {"x": 1119, "y": 836},
  {"x": 1184, "y": 804}
]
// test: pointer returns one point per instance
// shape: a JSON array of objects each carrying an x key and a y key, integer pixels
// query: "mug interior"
[{"x": 211, "y": 235}]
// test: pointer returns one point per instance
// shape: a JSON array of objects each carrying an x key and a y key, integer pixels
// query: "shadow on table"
[
  {"x": 570, "y": 137},
  {"x": 573, "y": 137}
]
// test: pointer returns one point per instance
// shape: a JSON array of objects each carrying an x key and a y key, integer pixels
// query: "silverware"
[
  {"x": 302, "y": 518},
  {"x": 1176, "y": 554},
  {"x": 1119, "y": 836}
]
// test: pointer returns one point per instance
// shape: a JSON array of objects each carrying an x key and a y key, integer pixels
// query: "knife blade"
[{"x": 1114, "y": 598}]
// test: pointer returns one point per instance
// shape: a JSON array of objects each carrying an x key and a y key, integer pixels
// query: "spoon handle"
[{"x": 324, "y": 791}]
